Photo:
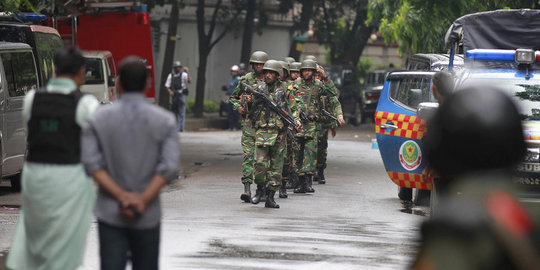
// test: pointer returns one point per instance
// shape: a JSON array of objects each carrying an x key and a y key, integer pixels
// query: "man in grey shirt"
[{"x": 131, "y": 149}]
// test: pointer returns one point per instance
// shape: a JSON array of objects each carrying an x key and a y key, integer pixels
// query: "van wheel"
[
  {"x": 405, "y": 193},
  {"x": 16, "y": 182},
  {"x": 421, "y": 196}
]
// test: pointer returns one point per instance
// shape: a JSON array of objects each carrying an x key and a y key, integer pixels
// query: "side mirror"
[
  {"x": 224, "y": 88},
  {"x": 426, "y": 110},
  {"x": 111, "y": 80}
]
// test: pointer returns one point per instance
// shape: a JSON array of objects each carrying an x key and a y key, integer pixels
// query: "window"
[
  {"x": 409, "y": 92},
  {"x": 47, "y": 44},
  {"x": 20, "y": 72},
  {"x": 94, "y": 71}
]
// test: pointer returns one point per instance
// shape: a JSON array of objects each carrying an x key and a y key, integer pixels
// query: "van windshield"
[
  {"x": 47, "y": 44},
  {"x": 94, "y": 71},
  {"x": 526, "y": 94}
]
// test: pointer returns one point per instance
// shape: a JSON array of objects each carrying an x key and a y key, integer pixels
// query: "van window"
[
  {"x": 111, "y": 66},
  {"x": 20, "y": 72},
  {"x": 410, "y": 92},
  {"x": 94, "y": 71},
  {"x": 47, "y": 44}
]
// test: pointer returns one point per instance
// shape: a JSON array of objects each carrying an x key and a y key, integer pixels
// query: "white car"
[{"x": 100, "y": 76}]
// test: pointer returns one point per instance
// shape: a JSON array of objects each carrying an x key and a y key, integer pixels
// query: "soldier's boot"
[
  {"x": 320, "y": 177},
  {"x": 309, "y": 183},
  {"x": 263, "y": 196},
  {"x": 293, "y": 180},
  {"x": 270, "y": 203},
  {"x": 258, "y": 194},
  {"x": 246, "y": 196},
  {"x": 283, "y": 190},
  {"x": 301, "y": 184}
]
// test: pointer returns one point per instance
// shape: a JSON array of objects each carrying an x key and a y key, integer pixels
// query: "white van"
[{"x": 100, "y": 76}]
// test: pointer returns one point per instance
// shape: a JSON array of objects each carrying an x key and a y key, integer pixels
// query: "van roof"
[
  {"x": 14, "y": 46},
  {"x": 32, "y": 27},
  {"x": 97, "y": 54}
]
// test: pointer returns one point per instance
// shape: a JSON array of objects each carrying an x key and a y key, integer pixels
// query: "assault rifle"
[
  {"x": 331, "y": 116},
  {"x": 287, "y": 118}
]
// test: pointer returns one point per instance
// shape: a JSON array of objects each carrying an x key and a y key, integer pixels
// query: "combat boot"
[
  {"x": 270, "y": 203},
  {"x": 309, "y": 183},
  {"x": 263, "y": 197},
  {"x": 246, "y": 196},
  {"x": 293, "y": 181},
  {"x": 258, "y": 194},
  {"x": 301, "y": 184},
  {"x": 283, "y": 190},
  {"x": 320, "y": 177}
]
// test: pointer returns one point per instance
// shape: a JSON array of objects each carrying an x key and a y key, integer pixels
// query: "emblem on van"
[{"x": 410, "y": 155}]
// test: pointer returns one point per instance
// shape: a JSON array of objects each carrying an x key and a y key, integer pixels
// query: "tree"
[
  {"x": 226, "y": 15},
  {"x": 251, "y": 7},
  {"x": 420, "y": 26},
  {"x": 300, "y": 23},
  {"x": 168, "y": 57},
  {"x": 341, "y": 26}
]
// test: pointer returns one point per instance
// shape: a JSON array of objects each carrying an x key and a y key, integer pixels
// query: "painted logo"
[{"x": 410, "y": 155}]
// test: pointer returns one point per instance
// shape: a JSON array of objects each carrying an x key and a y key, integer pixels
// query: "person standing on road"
[
  {"x": 176, "y": 85},
  {"x": 233, "y": 116},
  {"x": 310, "y": 90},
  {"x": 57, "y": 195},
  {"x": 239, "y": 101},
  {"x": 131, "y": 149},
  {"x": 270, "y": 132},
  {"x": 333, "y": 106}
]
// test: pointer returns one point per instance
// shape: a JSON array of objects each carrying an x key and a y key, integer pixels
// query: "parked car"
[
  {"x": 100, "y": 76},
  {"x": 370, "y": 93},
  {"x": 18, "y": 75},
  {"x": 346, "y": 81}
]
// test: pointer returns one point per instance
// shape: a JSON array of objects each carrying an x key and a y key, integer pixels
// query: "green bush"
[{"x": 210, "y": 106}]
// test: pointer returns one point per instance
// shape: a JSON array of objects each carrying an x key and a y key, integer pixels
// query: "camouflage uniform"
[
  {"x": 287, "y": 160},
  {"x": 271, "y": 134},
  {"x": 248, "y": 132},
  {"x": 332, "y": 105}
]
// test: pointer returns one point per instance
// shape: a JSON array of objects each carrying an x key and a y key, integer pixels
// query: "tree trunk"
[
  {"x": 198, "y": 109},
  {"x": 163, "y": 95},
  {"x": 248, "y": 31},
  {"x": 301, "y": 27}
]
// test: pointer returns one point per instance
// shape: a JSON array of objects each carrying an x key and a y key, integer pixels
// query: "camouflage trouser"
[
  {"x": 305, "y": 158},
  {"x": 248, "y": 149},
  {"x": 269, "y": 163},
  {"x": 288, "y": 160},
  {"x": 322, "y": 149}
]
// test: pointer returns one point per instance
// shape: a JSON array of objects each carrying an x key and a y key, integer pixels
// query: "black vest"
[{"x": 53, "y": 133}]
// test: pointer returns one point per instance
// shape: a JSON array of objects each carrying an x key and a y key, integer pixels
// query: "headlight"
[{"x": 524, "y": 56}]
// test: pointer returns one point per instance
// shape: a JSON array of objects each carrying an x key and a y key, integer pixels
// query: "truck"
[{"x": 505, "y": 54}]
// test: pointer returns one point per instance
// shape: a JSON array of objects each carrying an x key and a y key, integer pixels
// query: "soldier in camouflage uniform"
[
  {"x": 333, "y": 106},
  {"x": 270, "y": 130},
  {"x": 287, "y": 85},
  {"x": 311, "y": 90},
  {"x": 239, "y": 101}
]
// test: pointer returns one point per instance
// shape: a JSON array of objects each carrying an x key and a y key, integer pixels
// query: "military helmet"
[
  {"x": 177, "y": 64},
  {"x": 295, "y": 66},
  {"x": 273, "y": 65},
  {"x": 284, "y": 65},
  {"x": 308, "y": 64},
  {"x": 258, "y": 57},
  {"x": 311, "y": 57},
  {"x": 289, "y": 59},
  {"x": 242, "y": 66},
  {"x": 477, "y": 128}
]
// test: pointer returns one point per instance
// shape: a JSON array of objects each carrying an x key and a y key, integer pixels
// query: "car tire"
[
  {"x": 405, "y": 193},
  {"x": 15, "y": 182},
  {"x": 358, "y": 115},
  {"x": 421, "y": 197}
]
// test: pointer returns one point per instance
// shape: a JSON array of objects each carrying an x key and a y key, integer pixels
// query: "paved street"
[{"x": 355, "y": 221}]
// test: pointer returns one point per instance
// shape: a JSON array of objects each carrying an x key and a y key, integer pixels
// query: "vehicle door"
[
  {"x": 111, "y": 75},
  {"x": 20, "y": 75},
  {"x": 398, "y": 129}
]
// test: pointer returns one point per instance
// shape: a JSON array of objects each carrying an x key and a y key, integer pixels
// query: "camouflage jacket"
[
  {"x": 264, "y": 117},
  {"x": 311, "y": 96},
  {"x": 333, "y": 106},
  {"x": 249, "y": 79}
]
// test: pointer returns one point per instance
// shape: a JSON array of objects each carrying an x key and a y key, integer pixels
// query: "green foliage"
[
  {"x": 364, "y": 66},
  {"x": 210, "y": 106},
  {"x": 420, "y": 26},
  {"x": 19, "y": 6}
]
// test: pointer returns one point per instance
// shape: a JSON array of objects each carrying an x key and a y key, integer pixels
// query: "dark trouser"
[
  {"x": 234, "y": 117},
  {"x": 117, "y": 245}
]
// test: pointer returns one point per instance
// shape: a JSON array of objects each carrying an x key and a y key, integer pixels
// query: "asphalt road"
[{"x": 355, "y": 221}]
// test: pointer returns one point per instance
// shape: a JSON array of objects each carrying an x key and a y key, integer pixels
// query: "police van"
[{"x": 510, "y": 61}]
